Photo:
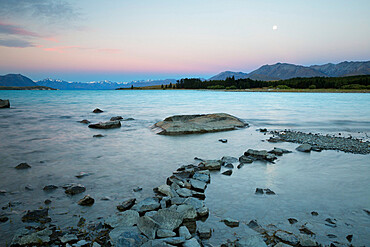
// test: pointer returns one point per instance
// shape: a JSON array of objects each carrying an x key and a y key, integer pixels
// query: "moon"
[{"x": 274, "y": 27}]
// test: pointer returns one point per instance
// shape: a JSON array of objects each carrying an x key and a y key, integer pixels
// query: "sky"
[{"x": 124, "y": 40}]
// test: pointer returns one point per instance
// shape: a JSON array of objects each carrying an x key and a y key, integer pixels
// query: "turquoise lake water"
[{"x": 42, "y": 129}]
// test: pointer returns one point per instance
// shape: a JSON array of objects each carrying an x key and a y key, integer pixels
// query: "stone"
[
  {"x": 187, "y": 212},
  {"x": 156, "y": 243},
  {"x": 316, "y": 149},
  {"x": 126, "y": 237},
  {"x": 304, "y": 148},
  {"x": 193, "y": 242},
  {"x": 50, "y": 187},
  {"x": 199, "y": 195},
  {"x": 147, "y": 226},
  {"x": 204, "y": 232},
  {"x": 98, "y": 136},
  {"x": 4, "y": 103},
  {"x": 95, "y": 244},
  {"x": 127, "y": 218},
  {"x": 39, "y": 237},
  {"x": 177, "y": 200},
  {"x": 269, "y": 192},
  {"x": 210, "y": 165},
  {"x": 287, "y": 237},
  {"x": 82, "y": 174},
  {"x": 86, "y": 201},
  {"x": 137, "y": 189},
  {"x": 281, "y": 244},
  {"x": 229, "y": 166},
  {"x": 231, "y": 222},
  {"x": 2, "y": 192},
  {"x": 260, "y": 155},
  {"x": 196, "y": 203},
  {"x": 148, "y": 204},
  {"x": 203, "y": 212},
  {"x": 292, "y": 221},
  {"x": 184, "y": 232},
  {"x": 331, "y": 222},
  {"x": 251, "y": 241},
  {"x": 305, "y": 230},
  {"x": 168, "y": 219},
  {"x": 201, "y": 177},
  {"x": 81, "y": 243},
  {"x": 97, "y": 110},
  {"x": 198, "y": 185},
  {"x": 165, "y": 190},
  {"x": 81, "y": 222},
  {"x": 223, "y": 140},
  {"x": 38, "y": 215},
  {"x": 274, "y": 139},
  {"x": 349, "y": 238},
  {"x": 163, "y": 233},
  {"x": 3, "y": 219},
  {"x": 174, "y": 240},
  {"x": 306, "y": 241},
  {"x": 47, "y": 201},
  {"x": 183, "y": 192},
  {"x": 128, "y": 119},
  {"x": 240, "y": 165},
  {"x": 126, "y": 205},
  {"x": 68, "y": 238},
  {"x": 245, "y": 160},
  {"x": 150, "y": 213},
  {"x": 314, "y": 213},
  {"x": 229, "y": 159},
  {"x": 263, "y": 130},
  {"x": 191, "y": 225},
  {"x": 228, "y": 172},
  {"x": 116, "y": 118},
  {"x": 259, "y": 191},
  {"x": 85, "y": 121},
  {"x": 165, "y": 202},
  {"x": 22, "y": 166},
  {"x": 202, "y": 123},
  {"x": 75, "y": 189},
  {"x": 106, "y": 125},
  {"x": 28, "y": 187}
]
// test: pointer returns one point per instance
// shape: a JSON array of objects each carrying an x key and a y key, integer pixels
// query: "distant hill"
[
  {"x": 99, "y": 85},
  {"x": 283, "y": 71},
  {"x": 16, "y": 80}
]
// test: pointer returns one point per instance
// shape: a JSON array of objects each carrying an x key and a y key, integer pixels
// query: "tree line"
[{"x": 348, "y": 82}]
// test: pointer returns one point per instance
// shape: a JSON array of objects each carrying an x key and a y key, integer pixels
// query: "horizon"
[{"x": 127, "y": 41}]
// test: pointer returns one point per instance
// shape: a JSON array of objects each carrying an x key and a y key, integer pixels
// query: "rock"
[
  {"x": 229, "y": 159},
  {"x": 260, "y": 155},
  {"x": 190, "y": 124},
  {"x": 137, "y": 189},
  {"x": 86, "y": 201},
  {"x": 3, "y": 219},
  {"x": 187, "y": 212},
  {"x": 210, "y": 165},
  {"x": 259, "y": 191},
  {"x": 150, "y": 213},
  {"x": 127, "y": 218},
  {"x": 223, "y": 140},
  {"x": 116, "y": 118},
  {"x": 191, "y": 225},
  {"x": 82, "y": 174},
  {"x": 98, "y": 136},
  {"x": 331, "y": 222},
  {"x": 316, "y": 149},
  {"x": 204, "y": 232},
  {"x": 105, "y": 198},
  {"x": 184, "y": 232},
  {"x": 4, "y": 103},
  {"x": 229, "y": 166},
  {"x": 68, "y": 238},
  {"x": 193, "y": 242},
  {"x": 85, "y": 121},
  {"x": 163, "y": 233},
  {"x": 2, "y": 192},
  {"x": 168, "y": 219},
  {"x": 50, "y": 187},
  {"x": 231, "y": 222},
  {"x": 274, "y": 139},
  {"x": 183, "y": 192},
  {"x": 106, "y": 125},
  {"x": 245, "y": 160},
  {"x": 281, "y": 244},
  {"x": 198, "y": 185},
  {"x": 81, "y": 222},
  {"x": 177, "y": 200},
  {"x": 199, "y": 195},
  {"x": 287, "y": 237},
  {"x": 97, "y": 110},
  {"x": 240, "y": 165},
  {"x": 349, "y": 238},
  {"x": 306, "y": 241},
  {"x": 314, "y": 213},
  {"x": 269, "y": 192},
  {"x": 304, "y": 148},
  {"x": 81, "y": 243},
  {"x": 38, "y": 215},
  {"x": 251, "y": 241},
  {"x": 47, "y": 201},
  {"x": 304, "y": 229},
  {"x": 126, "y": 205},
  {"x": 228, "y": 172},
  {"x": 148, "y": 204},
  {"x": 128, "y": 119},
  {"x": 75, "y": 189},
  {"x": 156, "y": 243},
  {"x": 28, "y": 187},
  {"x": 203, "y": 212},
  {"x": 292, "y": 221},
  {"x": 39, "y": 238},
  {"x": 147, "y": 226},
  {"x": 331, "y": 236},
  {"x": 165, "y": 190},
  {"x": 277, "y": 151},
  {"x": 202, "y": 176},
  {"x": 174, "y": 240},
  {"x": 95, "y": 244},
  {"x": 263, "y": 130},
  {"x": 126, "y": 237},
  {"x": 23, "y": 166},
  {"x": 196, "y": 203}
]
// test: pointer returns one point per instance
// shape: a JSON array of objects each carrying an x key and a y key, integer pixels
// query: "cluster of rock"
[
  {"x": 114, "y": 122},
  {"x": 4, "y": 103},
  {"x": 317, "y": 142},
  {"x": 252, "y": 155}
]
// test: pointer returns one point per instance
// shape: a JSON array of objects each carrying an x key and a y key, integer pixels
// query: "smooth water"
[{"x": 42, "y": 129}]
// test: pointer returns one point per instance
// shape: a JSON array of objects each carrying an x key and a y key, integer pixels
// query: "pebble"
[{"x": 23, "y": 166}]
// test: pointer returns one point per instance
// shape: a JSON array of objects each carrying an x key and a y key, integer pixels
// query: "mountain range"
[
  {"x": 16, "y": 80},
  {"x": 282, "y": 71}
]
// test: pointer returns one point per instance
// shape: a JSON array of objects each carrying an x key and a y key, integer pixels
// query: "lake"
[{"x": 42, "y": 129}]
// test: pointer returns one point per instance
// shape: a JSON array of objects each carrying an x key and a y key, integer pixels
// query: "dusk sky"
[{"x": 124, "y": 40}]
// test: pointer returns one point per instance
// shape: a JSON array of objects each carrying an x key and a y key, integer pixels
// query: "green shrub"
[
  {"x": 216, "y": 87},
  {"x": 312, "y": 87},
  {"x": 282, "y": 87}
]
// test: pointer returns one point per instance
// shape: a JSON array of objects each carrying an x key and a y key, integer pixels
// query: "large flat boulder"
[
  {"x": 202, "y": 123},
  {"x": 106, "y": 125},
  {"x": 4, "y": 103}
]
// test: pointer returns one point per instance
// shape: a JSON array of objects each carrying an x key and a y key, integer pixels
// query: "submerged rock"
[
  {"x": 304, "y": 148},
  {"x": 116, "y": 118},
  {"x": 50, "y": 187},
  {"x": 260, "y": 155},
  {"x": 97, "y": 110},
  {"x": 98, "y": 136},
  {"x": 86, "y": 201},
  {"x": 75, "y": 189},
  {"x": 106, "y": 125},
  {"x": 4, "y": 103},
  {"x": 228, "y": 172},
  {"x": 22, "y": 166},
  {"x": 231, "y": 222},
  {"x": 126, "y": 205},
  {"x": 202, "y": 123},
  {"x": 210, "y": 165},
  {"x": 85, "y": 121},
  {"x": 223, "y": 140},
  {"x": 245, "y": 160},
  {"x": 38, "y": 215}
]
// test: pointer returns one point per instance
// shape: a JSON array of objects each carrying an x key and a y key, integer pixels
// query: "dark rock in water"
[
  {"x": 228, "y": 172},
  {"x": 126, "y": 205},
  {"x": 274, "y": 139},
  {"x": 86, "y": 201},
  {"x": 116, "y": 118},
  {"x": 75, "y": 189},
  {"x": 137, "y": 189},
  {"x": 279, "y": 151},
  {"x": 204, "y": 232},
  {"x": 128, "y": 119},
  {"x": 316, "y": 149},
  {"x": 260, "y": 155},
  {"x": 231, "y": 222},
  {"x": 292, "y": 221},
  {"x": 259, "y": 191},
  {"x": 97, "y": 110},
  {"x": 38, "y": 215},
  {"x": 81, "y": 175},
  {"x": 240, "y": 165},
  {"x": 245, "y": 160},
  {"x": 263, "y": 130},
  {"x": 28, "y": 187},
  {"x": 229, "y": 159},
  {"x": 303, "y": 229},
  {"x": 314, "y": 213},
  {"x": 47, "y": 201},
  {"x": 210, "y": 165},
  {"x": 287, "y": 237},
  {"x": 106, "y": 125},
  {"x": 349, "y": 238},
  {"x": 98, "y": 136},
  {"x": 4, "y": 103},
  {"x": 198, "y": 185},
  {"x": 367, "y": 211},
  {"x": 331, "y": 236},
  {"x": 81, "y": 222},
  {"x": 22, "y": 166},
  {"x": 331, "y": 222},
  {"x": 85, "y": 121},
  {"x": 223, "y": 140},
  {"x": 2, "y": 192},
  {"x": 269, "y": 192},
  {"x": 229, "y": 166},
  {"x": 304, "y": 148},
  {"x": 190, "y": 124},
  {"x": 50, "y": 187},
  {"x": 3, "y": 219}
]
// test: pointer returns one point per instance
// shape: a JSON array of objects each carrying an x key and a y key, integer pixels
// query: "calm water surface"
[{"x": 42, "y": 129}]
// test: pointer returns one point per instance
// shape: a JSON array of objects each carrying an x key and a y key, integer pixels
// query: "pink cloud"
[
  {"x": 64, "y": 49},
  {"x": 13, "y": 29}
]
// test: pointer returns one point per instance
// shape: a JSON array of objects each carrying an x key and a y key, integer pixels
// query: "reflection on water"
[{"x": 42, "y": 129}]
